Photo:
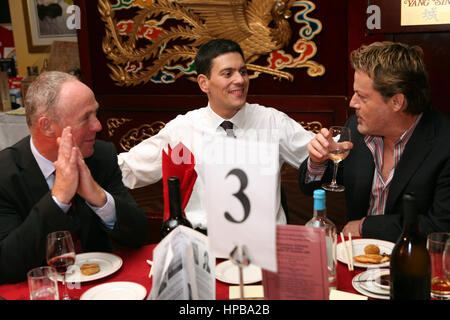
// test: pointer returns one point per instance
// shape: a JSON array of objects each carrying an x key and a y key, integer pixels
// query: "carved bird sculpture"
[{"x": 259, "y": 26}]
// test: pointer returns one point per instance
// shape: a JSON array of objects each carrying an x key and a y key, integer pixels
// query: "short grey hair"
[{"x": 43, "y": 94}]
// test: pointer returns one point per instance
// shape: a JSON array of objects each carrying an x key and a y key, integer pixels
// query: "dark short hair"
[
  {"x": 211, "y": 50},
  {"x": 396, "y": 68}
]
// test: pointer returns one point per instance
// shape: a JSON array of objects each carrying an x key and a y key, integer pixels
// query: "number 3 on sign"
[{"x": 240, "y": 195}]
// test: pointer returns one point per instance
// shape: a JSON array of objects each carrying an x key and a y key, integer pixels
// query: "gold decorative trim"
[
  {"x": 115, "y": 123},
  {"x": 313, "y": 126},
  {"x": 137, "y": 135}
]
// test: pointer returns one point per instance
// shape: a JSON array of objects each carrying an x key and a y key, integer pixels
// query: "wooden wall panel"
[{"x": 433, "y": 39}]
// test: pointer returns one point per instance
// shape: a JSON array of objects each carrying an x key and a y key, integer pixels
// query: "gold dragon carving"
[
  {"x": 136, "y": 135},
  {"x": 159, "y": 43}
]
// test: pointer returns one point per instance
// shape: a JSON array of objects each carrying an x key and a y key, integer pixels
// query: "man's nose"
[
  {"x": 96, "y": 125},
  {"x": 354, "y": 101}
]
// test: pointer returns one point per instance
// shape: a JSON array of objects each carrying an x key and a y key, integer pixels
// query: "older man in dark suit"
[
  {"x": 401, "y": 145},
  {"x": 62, "y": 178}
]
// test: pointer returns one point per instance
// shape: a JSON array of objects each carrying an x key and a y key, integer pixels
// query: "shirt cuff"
[
  {"x": 108, "y": 212},
  {"x": 361, "y": 225},
  {"x": 64, "y": 207},
  {"x": 315, "y": 171}
]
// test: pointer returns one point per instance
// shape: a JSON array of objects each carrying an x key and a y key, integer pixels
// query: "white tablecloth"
[{"x": 12, "y": 129}]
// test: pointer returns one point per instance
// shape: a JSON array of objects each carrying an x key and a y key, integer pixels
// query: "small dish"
[
  {"x": 108, "y": 263},
  {"x": 119, "y": 290},
  {"x": 364, "y": 283},
  {"x": 228, "y": 272},
  {"x": 383, "y": 280},
  {"x": 358, "y": 249}
]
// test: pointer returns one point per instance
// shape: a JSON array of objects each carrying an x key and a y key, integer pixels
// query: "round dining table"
[{"x": 136, "y": 269}]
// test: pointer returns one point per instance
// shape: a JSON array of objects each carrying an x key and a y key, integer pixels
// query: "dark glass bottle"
[
  {"x": 410, "y": 267},
  {"x": 176, "y": 214}
]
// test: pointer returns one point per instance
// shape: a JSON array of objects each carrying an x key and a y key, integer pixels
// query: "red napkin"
[{"x": 178, "y": 162}]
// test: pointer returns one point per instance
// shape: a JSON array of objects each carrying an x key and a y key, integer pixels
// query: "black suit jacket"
[
  {"x": 28, "y": 212},
  {"x": 423, "y": 169}
]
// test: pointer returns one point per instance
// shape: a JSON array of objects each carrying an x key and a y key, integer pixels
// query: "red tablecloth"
[{"x": 136, "y": 269}]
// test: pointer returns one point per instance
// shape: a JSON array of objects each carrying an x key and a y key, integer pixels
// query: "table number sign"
[{"x": 240, "y": 195}]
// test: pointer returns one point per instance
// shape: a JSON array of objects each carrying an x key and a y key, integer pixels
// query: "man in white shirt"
[{"x": 222, "y": 75}]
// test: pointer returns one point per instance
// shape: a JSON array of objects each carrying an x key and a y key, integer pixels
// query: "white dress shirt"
[
  {"x": 107, "y": 213},
  {"x": 142, "y": 165}
]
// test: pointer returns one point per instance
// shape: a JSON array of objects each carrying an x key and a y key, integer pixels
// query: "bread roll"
[
  {"x": 90, "y": 269},
  {"x": 371, "y": 249}
]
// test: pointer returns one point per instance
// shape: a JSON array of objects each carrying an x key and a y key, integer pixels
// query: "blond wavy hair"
[{"x": 396, "y": 68}]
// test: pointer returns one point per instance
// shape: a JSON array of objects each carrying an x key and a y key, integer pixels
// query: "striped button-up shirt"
[{"x": 380, "y": 187}]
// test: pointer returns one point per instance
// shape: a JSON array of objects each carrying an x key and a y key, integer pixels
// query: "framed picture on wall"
[{"x": 46, "y": 21}]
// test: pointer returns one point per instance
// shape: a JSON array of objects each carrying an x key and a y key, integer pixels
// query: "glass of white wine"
[{"x": 337, "y": 151}]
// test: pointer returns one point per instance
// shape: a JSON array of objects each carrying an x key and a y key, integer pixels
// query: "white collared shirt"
[
  {"x": 142, "y": 165},
  {"x": 107, "y": 213}
]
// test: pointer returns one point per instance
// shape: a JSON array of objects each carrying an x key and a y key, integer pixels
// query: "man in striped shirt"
[{"x": 400, "y": 144}]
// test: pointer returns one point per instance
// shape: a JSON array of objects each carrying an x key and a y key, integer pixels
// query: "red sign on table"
[{"x": 302, "y": 265}]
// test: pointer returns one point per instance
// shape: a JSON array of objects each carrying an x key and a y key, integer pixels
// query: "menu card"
[{"x": 302, "y": 265}]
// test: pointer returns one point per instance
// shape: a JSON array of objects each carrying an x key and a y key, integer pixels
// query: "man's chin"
[
  {"x": 87, "y": 151},
  {"x": 361, "y": 129}
]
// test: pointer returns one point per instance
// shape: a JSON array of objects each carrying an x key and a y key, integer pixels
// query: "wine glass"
[
  {"x": 337, "y": 151},
  {"x": 446, "y": 259},
  {"x": 61, "y": 254}
]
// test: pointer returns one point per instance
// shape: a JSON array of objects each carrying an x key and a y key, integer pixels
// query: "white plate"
[
  {"x": 120, "y": 290},
  {"x": 358, "y": 249},
  {"x": 228, "y": 272},
  {"x": 368, "y": 288},
  {"x": 109, "y": 263},
  {"x": 371, "y": 278}
]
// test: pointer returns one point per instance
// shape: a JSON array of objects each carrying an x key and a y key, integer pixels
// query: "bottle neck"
[
  {"x": 410, "y": 216},
  {"x": 175, "y": 200},
  {"x": 319, "y": 208},
  {"x": 410, "y": 222}
]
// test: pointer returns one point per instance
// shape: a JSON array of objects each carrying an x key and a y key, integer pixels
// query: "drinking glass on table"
[
  {"x": 61, "y": 254},
  {"x": 337, "y": 151},
  {"x": 43, "y": 283},
  {"x": 440, "y": 284},
  {"x": 446, "y": 259}
]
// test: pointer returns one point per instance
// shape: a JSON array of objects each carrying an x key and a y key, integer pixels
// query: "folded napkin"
[{"x": 178, "y": 162}]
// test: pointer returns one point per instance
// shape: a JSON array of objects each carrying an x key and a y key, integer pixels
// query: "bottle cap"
[
  {"x": 319, "y": 199},
  {"x": 319, "y": 194}
]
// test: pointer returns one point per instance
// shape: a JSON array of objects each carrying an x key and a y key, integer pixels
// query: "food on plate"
[
  {"x": 369, "y": 258},
  {"x": 90, "y": 268},
  {"x": 384, "y": 280},
  {"x": 372, "y": 249},
  {"x": 372, "y": 255}
]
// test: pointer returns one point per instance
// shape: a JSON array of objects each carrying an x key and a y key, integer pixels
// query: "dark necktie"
[{"x": 228, "y": 127}]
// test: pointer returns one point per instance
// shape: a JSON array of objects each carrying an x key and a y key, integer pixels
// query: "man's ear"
[
  {"x": 202, "y": 81},
  {"x": 399, "y": 102},
  {"x": 46, "y": 127}
]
